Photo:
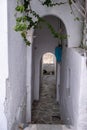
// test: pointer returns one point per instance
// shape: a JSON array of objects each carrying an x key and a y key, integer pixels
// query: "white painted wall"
[
  {"x": 17, "y": 52},
  {"x": 29, "y": 83},
  {"x": 71, "y": 75},
  {"x": 82, "y": 119},
  {"x": 3, "y": 61}
]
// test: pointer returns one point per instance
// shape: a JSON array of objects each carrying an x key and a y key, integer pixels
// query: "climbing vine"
[{"x": 27, "y": 18}]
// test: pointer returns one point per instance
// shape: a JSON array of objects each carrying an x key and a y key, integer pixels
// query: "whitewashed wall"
[
  {"x": 17, "y": 73},
  {"x": 82, "y": 119},
  {"x": 3, "y": 61},
  {"x": 71, "y": 75}
]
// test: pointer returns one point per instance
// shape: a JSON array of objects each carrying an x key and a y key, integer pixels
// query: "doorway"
[
  {"x": 46, "y": 110},
  {"x": 45, "y": 46}
]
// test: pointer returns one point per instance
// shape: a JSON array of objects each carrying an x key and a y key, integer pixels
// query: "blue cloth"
[{"x": 58, "y": 53}]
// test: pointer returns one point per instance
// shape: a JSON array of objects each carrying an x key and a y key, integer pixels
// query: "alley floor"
[{"x": 46, "y": 110}]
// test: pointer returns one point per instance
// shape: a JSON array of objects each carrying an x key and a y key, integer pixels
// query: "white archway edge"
[
  {"x": 29, "y": 77},
  {"x": 3, "y": 61},
  {"x": 63, "y": 12},
  {"x": 29, "y": 84}
]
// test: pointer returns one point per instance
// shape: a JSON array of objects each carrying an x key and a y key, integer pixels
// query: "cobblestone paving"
[{"x": 46, "y": 110}]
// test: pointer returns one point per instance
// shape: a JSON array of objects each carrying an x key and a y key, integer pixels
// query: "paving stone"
[
  {"x": 47, "y": 127},
  {"x": 46, "y": 110}
]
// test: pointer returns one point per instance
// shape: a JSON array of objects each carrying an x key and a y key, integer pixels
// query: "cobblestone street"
[{"x": 46, "y": 110}]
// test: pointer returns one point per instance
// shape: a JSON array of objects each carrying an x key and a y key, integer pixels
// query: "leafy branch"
[
  {"x": 50, "y": 3},
  {"x": 27, "y": 19}
]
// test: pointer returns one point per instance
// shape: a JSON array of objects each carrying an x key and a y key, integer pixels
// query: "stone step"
[{"x": 47, "y": 127}]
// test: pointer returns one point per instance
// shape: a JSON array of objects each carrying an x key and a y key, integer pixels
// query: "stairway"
[{"x": 46, "y": 127}]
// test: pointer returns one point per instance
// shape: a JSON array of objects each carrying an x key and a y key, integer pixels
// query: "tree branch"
[
  {"x": 81, "y": 6},
  {"x": 78, "y": 9}
]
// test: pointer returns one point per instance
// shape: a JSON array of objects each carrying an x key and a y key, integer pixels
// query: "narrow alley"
[{"x": 46, "y": 110}]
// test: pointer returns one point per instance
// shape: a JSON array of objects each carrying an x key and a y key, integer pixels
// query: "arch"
[
  {"x": 48, "y": 87},
  {"x": 48, "y": 58},
  {"x": 32, "y": 83},
  {"x": 60, "y": 23},
  {"x": 67, "y": 19},
  {"x": 41, "y": 45},
  {"x": 48, "y": 65}
]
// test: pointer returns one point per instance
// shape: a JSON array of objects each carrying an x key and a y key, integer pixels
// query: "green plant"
[{"x": 27, "y": 18}]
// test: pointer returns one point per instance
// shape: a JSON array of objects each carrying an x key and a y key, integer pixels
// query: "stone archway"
[{"x": 45, "y": 42}]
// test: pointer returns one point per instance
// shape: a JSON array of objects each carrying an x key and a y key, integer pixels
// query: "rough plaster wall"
[
  {"x": 3, "y": 61},
  {"x": 64, "y": 13},
  {"x": 29, "y": 83},
  {"x": 82, "y": 119},
  {"x": 17, "y": 71},
  {"x": 70, "y": 85}
]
